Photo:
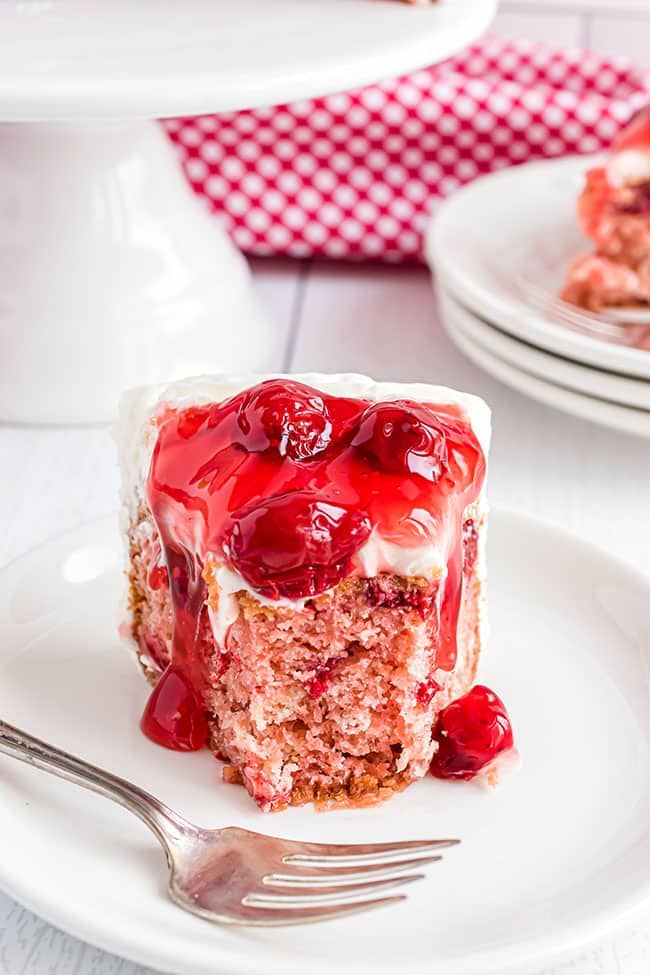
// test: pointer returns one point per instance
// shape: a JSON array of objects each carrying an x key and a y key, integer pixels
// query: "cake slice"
[
  {"x": 306, "y": 575},
  {"x": 614, "y": 212}
]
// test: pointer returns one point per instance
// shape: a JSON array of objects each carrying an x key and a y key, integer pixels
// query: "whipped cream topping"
[
  {"x": 377, "y": 555},
  {"x": 629, "y": 167},
  {"x": 380, "y": 555}
]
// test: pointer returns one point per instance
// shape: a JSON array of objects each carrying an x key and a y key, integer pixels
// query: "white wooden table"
[{"x": 330, "y": 318}]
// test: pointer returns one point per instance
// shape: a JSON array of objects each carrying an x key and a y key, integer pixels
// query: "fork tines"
[{"x": 332, "y": 880}]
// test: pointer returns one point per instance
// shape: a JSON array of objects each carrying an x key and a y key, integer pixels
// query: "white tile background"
[{"x": 607, "y": 26}]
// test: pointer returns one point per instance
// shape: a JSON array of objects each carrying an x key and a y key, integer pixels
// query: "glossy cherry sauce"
[
  {"x": 471, "y": 732},
  {"x": 285, "y": 484}
]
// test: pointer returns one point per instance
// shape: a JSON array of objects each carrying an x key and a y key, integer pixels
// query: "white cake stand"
[{"x": 113, "y": 274}]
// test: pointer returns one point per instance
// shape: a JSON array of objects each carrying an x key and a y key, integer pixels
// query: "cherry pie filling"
[
  {"x": 285, "y": 485},
  {"x": 471, "y": 732}
]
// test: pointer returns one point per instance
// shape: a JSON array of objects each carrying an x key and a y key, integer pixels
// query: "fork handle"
[{"x": 167, "y": 825}]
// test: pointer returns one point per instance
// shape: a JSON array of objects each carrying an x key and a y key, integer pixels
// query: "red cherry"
[
  {"x": 174, "y": 716},
  {"x": 320, "y": 681},
  {"x": 288, "y": 417},
  {"x": 294, "y": 545},
  {"x": 470, "y": 732},
  {"x": 426, "y": 691},
  {"x": 403, "y": 438},
  {"x": 638, "y": 201},
  {"x": 157, "y": 577}
]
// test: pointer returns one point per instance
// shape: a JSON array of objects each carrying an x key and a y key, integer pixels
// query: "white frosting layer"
[
  {"x": 137, "y": 433},
  {"x": 377, "y": 555},
  {"x": 629, "y": 168}
]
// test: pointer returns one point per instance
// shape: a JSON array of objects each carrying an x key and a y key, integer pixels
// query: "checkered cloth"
[{"x": 357, "y": 174}]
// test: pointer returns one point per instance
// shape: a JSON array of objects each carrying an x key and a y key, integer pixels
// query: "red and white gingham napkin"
[{"x": 356, "y": 175}]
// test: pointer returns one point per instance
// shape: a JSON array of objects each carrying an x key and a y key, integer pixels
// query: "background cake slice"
[
  {"x": 614, "y": 212},
  {"x": 306, "y": 573}
]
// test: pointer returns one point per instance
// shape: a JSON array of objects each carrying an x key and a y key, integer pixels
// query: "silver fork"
[
  {"x": 236, "y": 876},
  {"x": 588, "y": 323}
]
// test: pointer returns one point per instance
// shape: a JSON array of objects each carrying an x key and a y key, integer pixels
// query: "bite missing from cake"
[{"x": 306, "y": 577}]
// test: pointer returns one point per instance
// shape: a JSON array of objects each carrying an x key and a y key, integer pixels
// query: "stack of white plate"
[{"x": 494, "y": 243}]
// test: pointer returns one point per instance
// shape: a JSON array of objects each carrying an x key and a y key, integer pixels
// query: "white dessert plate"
[
  {"x": 556, "y": 857},
  {"x": 625, "y": 419},
  {"x": 520, "y": 223},
  {"x": 599, "y": 383},
  {"x": 160, "y": 57}
]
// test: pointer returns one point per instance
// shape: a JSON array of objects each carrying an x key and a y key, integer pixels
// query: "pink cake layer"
[{"x": 331, "y": 702}]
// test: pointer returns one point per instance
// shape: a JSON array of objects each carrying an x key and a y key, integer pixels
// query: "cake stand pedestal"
[{"x": 112, "y": 272}]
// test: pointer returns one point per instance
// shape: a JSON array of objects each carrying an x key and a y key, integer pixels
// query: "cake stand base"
[{"x": 113, "y": 273}]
